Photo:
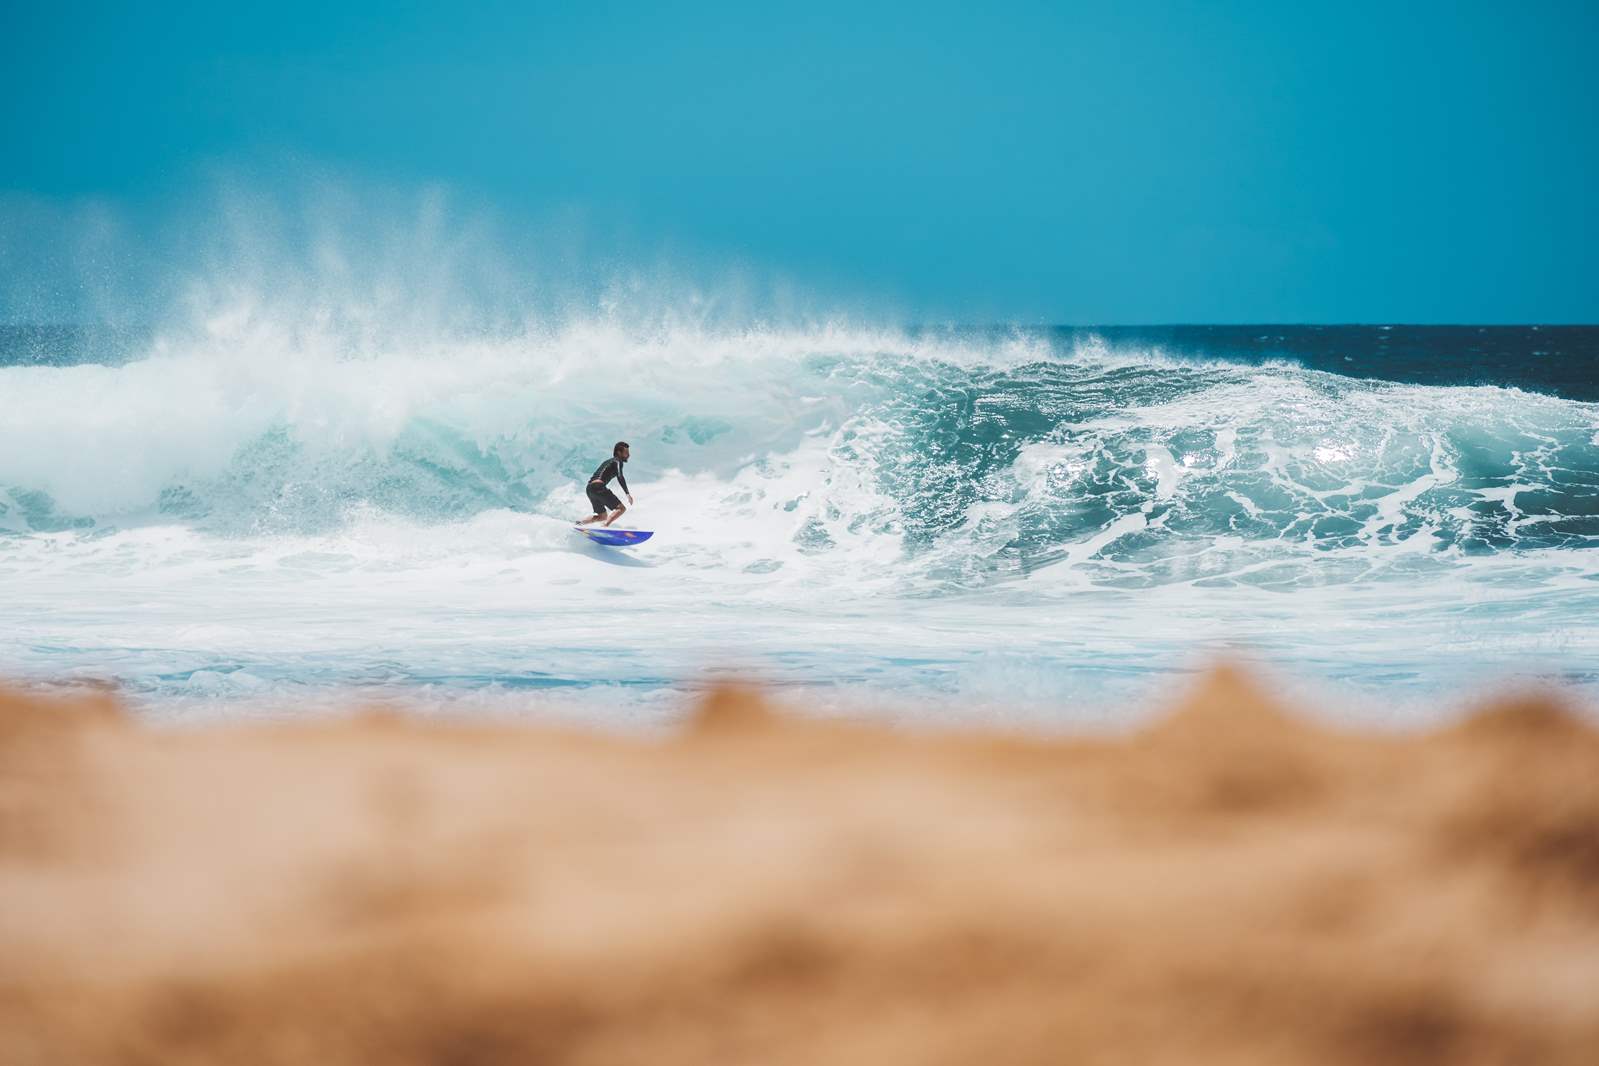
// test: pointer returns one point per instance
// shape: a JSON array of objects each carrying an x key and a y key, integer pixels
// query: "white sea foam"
[{"x": 277, "y": 500}]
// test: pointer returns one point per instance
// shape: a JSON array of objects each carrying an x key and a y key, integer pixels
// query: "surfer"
[{"x": 606, "y": 505}]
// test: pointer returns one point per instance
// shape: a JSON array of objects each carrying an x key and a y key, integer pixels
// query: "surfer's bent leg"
[{"x": 602, "y": 500}]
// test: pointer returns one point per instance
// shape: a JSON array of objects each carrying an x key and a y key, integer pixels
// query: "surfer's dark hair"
[{"x": 617, "y": 451}]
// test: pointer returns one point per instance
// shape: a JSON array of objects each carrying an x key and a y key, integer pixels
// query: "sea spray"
[{"x": 353, "y": 460}]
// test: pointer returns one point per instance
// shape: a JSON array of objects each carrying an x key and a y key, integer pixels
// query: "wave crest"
[{"x": 974, "y": 454}]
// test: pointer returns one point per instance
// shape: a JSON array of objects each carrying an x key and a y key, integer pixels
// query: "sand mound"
[{"x": 1235, "y": 884}]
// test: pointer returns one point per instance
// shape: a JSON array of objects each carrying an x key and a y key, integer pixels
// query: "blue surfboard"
[{"x": 615, "y": 538}]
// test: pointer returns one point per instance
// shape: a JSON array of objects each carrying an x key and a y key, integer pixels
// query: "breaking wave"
[{"x": 965, "y": 457}]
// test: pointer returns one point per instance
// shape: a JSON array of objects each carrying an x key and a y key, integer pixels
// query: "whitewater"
[{"x": 257, "y": 514}]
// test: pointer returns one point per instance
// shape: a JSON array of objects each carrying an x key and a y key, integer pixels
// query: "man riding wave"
[{"x": 602, "y": 499}]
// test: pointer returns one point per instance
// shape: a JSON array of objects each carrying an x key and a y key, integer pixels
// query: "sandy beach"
[{"x": 1234, "y": 883}]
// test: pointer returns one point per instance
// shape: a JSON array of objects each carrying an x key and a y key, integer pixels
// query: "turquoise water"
[{"x": 1045, "y": 524}]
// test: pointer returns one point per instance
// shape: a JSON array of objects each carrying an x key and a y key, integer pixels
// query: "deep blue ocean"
[{"x": 1044, "y": 524}]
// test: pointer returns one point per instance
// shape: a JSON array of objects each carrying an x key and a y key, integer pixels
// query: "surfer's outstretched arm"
[{"x": 622, "y": 481}]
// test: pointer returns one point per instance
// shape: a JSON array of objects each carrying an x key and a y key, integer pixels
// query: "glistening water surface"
[{"x": 1052, "y": 523}]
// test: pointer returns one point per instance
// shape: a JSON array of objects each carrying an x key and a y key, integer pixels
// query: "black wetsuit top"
[{"x": 610, "y": 468}]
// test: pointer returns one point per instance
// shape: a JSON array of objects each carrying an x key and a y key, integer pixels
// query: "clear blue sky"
[{"x": 1071, "y": 162}]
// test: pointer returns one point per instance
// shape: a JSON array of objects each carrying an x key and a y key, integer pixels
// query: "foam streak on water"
[{"x": 251, "y": 513}]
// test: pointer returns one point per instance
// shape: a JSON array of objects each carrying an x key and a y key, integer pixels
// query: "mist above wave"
[{"x": 315, "y": 367}]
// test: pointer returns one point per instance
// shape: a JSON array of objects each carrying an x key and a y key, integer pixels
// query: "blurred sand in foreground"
[{"x": 1232, "y": 884}]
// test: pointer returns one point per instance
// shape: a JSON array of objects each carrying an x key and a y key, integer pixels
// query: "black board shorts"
[{"x": 603, "y": 499}]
